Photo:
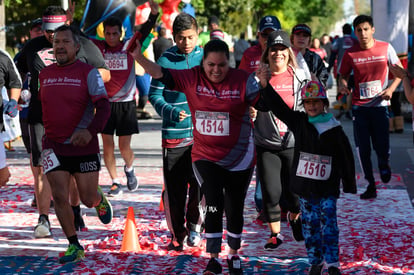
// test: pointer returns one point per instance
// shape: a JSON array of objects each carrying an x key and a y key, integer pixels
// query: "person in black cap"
[
  {"x": 250, "y": 62},
  {"x": 251, "y": 57},
  {"x": 311, "y": 62},
  {"x": 275, "y": 142},
  {"x": 36, "y": 28}
]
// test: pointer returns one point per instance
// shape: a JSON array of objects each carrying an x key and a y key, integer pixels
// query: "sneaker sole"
[
  {"x": 114, "y": 195},
  {"x": 41, "y": 233}
]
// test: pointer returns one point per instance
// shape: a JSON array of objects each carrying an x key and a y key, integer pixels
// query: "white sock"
[
  {"x": 129, "y": 169},
  {"x": 116, "y": 180}
]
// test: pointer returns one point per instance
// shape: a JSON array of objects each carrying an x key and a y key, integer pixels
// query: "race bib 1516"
[{"x": 313, "y": 166}]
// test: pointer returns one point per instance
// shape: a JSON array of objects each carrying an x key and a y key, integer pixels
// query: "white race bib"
[
  {"x": 313, "y": 166},
  {"x": 370, "y": 89},
  {"x": 213, "y": 123},
  {"x": 117, "y": 61},
  {"x": 49, "y": 160}
]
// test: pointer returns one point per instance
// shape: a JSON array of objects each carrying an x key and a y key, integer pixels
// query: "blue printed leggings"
[{"x": 320, "y": 229}]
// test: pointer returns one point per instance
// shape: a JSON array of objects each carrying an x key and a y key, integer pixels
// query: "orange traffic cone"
[
  {"x": 162, "y": 199},
  {"x": 130, "y": 242}
]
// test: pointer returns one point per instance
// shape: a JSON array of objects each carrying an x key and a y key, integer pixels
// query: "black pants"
[
  {"x": 274, "y": 169},
  {"x": 178, "y": 180},
  {"x": 223, "y": 190}
]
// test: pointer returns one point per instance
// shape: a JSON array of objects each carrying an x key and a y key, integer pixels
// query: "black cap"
[
  {"x": 302, "y": 28},
  {"x": 35, "y": 23},
  {"x": 278, "y": 37},
  {"x": 213, "y": 20},
  {"x": 269, "y": 22}
]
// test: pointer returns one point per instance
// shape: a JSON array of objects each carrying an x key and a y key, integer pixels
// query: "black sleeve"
[
  {"x": 275, "y": 103},
  {"x": 166, "y": 78},
  {"x": 147, "y": 26},
  {"x": 347, "y": 165},
  {"x": 321, "y": 71}
]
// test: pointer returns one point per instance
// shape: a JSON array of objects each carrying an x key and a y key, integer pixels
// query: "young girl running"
[{"x": 322, "y": 158}]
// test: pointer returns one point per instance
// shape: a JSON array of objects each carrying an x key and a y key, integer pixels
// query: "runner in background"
[
  {"x": 308, "y": 61},
  {"x": 9, "y": 79},
  {"x": 369, "y": 60},
  {"x": 184, "y": 219},
  {"x": 121, "y": 92}
]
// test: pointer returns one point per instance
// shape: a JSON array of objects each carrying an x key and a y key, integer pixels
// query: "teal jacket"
[{"x": 167, "y": 103}]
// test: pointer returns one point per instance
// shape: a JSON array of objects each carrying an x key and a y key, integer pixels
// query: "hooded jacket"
[{"x": 326, "y": 139}]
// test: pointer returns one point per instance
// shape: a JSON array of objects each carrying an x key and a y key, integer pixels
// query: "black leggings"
[
  {"x": 274, "y": 169},
  {"x": 223, "y": 190}
]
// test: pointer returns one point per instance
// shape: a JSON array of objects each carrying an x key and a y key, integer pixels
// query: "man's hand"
[
  {"x": 81, "y": 137},
  {"x": 263, "y": 74},
  {"x": 4, "y": 176},
  {"x": 387, "y": 94},
  {"x": 11, "y": 108}
]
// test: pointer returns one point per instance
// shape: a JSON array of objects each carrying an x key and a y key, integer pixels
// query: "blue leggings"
[{"x": 320, "y": 229}]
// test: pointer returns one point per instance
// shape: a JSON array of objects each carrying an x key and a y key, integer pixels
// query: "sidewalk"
[{"x": 376, "y": 236}]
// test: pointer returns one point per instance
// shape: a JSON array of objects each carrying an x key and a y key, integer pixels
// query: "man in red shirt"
[
  {"x": 369, "y": 59},
  {"x": 251, "y": 57}
]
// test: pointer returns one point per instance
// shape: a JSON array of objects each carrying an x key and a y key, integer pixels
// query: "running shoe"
[
  {"x": 193, "y": 239},
  {"x": 116, "y": 190},
  {"x": 213, "y": 267},
  {"x": 296, "y": 226},
  {"x": 104, "y": 208},
  {"x": 132, "y": 181},
  {"x": 175, "y": 246},
  {"x": 234, "y": 265},
  {"x": 316, "y": 269},
  {"x": 73, "y": 254},
  {"x": 370, "y": 193},
  {"x": 42, "y": 229},
  {"x": 274, "y": 241},
  {"x": 385, "y": 173},
  {"x": 333, "y": 270}
]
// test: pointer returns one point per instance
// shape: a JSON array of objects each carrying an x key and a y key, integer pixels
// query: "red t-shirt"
[
  {"x": 223, "y": 131},
  {"x": 251, "y": 59},
  {"x": 283, "y": 85},
  {"x": 371, "y": 72}
]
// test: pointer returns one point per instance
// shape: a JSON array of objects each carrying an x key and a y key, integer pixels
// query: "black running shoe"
[
  {"x": 316, "y": 269},
  {"x": 175, "y": 246},
  {"x": 370, "y": 193},
  {"x": 333, "y": 270},
  {"x": 296, "y": 226},
  {"x": 385, "y": 173},
  {"x": 234, "y": 265},
  {"x": 274, "y": 241},
  {"x": 213, "y": 267}
]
